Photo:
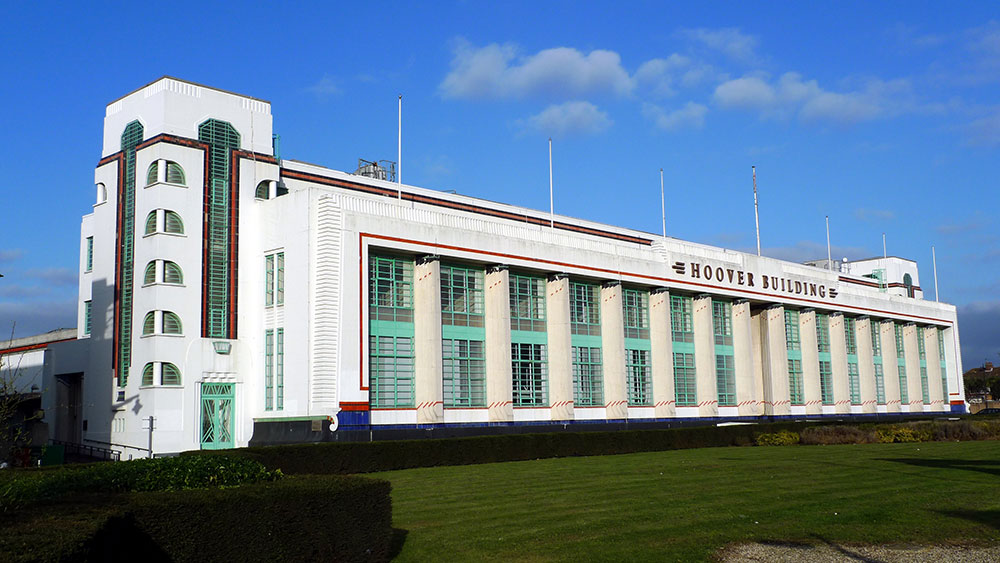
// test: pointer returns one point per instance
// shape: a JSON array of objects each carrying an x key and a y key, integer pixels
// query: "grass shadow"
[
  {"x": 846, "y": 552},
  {"x": 990, "y": 467},
  {"x": 987, "y": 517},
  {"x": 396, "y": 542}
]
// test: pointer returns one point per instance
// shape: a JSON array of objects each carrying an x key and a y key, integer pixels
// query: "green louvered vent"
[
  {"x": 222, "y": 138},
  {"x": 130, "y": 138}
]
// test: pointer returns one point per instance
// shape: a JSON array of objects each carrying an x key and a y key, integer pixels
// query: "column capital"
[
  {"x": 557, "y": 277},
  {"x": 427, "y": 259},
  {"x": 496, "y": 268},
  {"x": 610, "y": 284}
]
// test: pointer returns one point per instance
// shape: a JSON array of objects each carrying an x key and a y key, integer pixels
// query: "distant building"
[{"x": 228, "y": 296}]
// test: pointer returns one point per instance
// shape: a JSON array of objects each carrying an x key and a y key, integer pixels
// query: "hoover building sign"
[{"x": 737, "y": 278}]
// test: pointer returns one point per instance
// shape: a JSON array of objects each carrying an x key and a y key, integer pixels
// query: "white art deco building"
[{"x": 235, "y": 297}]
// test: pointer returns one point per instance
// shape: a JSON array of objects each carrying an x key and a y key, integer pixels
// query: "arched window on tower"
[
  {"x": 263, "y": 190},
  {"x": 102, "y": 193},
  {"x": 173, "y": 173},
  {"x": 908, "y": 284}
]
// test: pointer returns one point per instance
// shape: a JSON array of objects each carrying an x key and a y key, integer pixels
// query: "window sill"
[
  {"x": 168, "y": 184},
  {"x": 145, "y": 387},
  {"x": 163, "y": 283},
  {"x": 180, "y": 235},
  {"x": 162, "y": 334}
]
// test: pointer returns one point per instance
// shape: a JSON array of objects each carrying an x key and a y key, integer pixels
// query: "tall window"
[
  {"x": 682, "y": 332},
  {"x": 825, "y": 364},
  {"x": 279, "y": 369},
  {"x": 877, "y": 362},
  {"x": 90, "y": 255},
  {"x": 528, "y": 341},
  {"x": 793, "y": 344},
  {"x": 464, "y": 367},
  {"x": 390, "y": 330},
  {"x": 944, "y": 366},
  {"x": 725, "y": 370},
  {"x": 274, "y": 279},
  {"x": 87, "y": 316},
  {"x": 904, "y": 392},
  {"x": 638, "y": 371},
  {"x": 585, "y": 329},
  {"x": 585, "y": 308},
  {"x": 463, "y": 336},
  {"x": 269, "y": 369},
  {"x": 922, "y": 350},
  {"x": 588, "y": 380},
  {"x": 853, "y": 374}
]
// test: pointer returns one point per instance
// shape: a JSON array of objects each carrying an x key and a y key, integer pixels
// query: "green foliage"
[
  {"x": 161, "y": 474},
  {"x": 365, "y": 457},
  {"x": 781, "y": 438},
  {"x": 895, "y": 433},
  {"x": 837, "y": 434},
  {"x": 316, "y": 518}
]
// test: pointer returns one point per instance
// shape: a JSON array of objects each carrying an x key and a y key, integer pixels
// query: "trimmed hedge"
[
  {"x": 161, "y": 474},
  {"x": 366, "y": 457},
  {"x": 318, "y": 518}
]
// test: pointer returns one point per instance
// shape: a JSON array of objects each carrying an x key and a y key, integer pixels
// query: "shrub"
[
  {"x": 828, "y": 435},
  {"x": 162, "y": 474},
  {"x": 781, "y": 438},
  {"x": 893, "y": 433}
]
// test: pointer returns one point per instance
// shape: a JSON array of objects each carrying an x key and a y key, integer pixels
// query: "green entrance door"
[{"x": 216, "y": 416}]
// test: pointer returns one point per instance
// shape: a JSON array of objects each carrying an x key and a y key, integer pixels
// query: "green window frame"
[
  {"x": 150, "y": 223},
  {"x": 529, "y": 371},
  {"x": 925, "y": 391},
  {"x": 169, "y": 374},
  {"x": 853, "y": 372},
  {"x": 279, "y": 369},
  {"x": 585, "y": 308},
  {"x": 904, "y": 392},
  {"x": 464, "y": 372},
  {"x": 879, "y": 383},
  {"x": 876, "y": 339},
  {"x": 462, "y": 297},
  {"x": 90, "y": 255},
  {"x": 725, "y": 364},
  {"x": 850, "y": 335},
  {"x": 639, "y": 377},
  {"x": 171, "y": 323},
  {"x": 130, "y": 139},
  {"x": 685, "y": 387},
  {"x": 391, "y": 369},
  {"x": 527, "y": 303},
  {"x": 635, "y": 303},
  {"x": 921, "y": 347},
  {"x": 826, "y": 381},
  {"x": 793, "y": 345},
  {"x": 279, "y": 289},
  {"x": 876, "y": 334},
  {"x": 822, "y": 333},
  {"x": 147, "y": 375},
  {"x": 588, "y": 377},
  {"x": 220, "y": 256},
  {"x": 149, "y": 276},
  {"x": 149, "y": 323},
  {"x": 390, "y": 288},
  {"x": 87, "y": 316},
  {"x": 172, "y": 223},
  {"x": 263, "y": 190},
  {"x": 681, "y": 319},
  {"x": 269, "y": 280},
  {"x": 175, "y": 174},
  {"x": 269, "y": 369},
  {"x": 942, "y": 358},
  {"x": 153, "y": 172},
  {"x": 854, "y": 382},
  {"x": 172, "y": 273},
  {"x": 796, "y": 393}
]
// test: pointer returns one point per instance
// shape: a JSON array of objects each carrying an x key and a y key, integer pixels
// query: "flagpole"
[
  {"x": 756, "y": 217},
  {"x": 552, "y": 222},
  {"x": 663, "y": 206},
  {"x": 934, "y": 259},
  {"x": 829, "y": 259},
  {"x": 399, "y": 147}
]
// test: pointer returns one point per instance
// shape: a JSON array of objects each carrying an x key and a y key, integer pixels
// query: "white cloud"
[
  {"x": 325, "y": 87},
  {"x": 730, "y": 41},
  {"x": 791, "y": 95},
  {"x": 984, "y": 131},
  {"x": 874, "y": 215},
  {"x": 55, "y": 276},
  {"x": 692, "y": 115},
  {"x": 496, "y": 72},
  {"x": 810, "y": 250},
  {"x": 658, "y": 75},
  {"x": 570, "y": 118},
  {"x": 10, "y": 255}
]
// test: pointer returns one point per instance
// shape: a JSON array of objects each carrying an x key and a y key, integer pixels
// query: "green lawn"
[{"x": 684, "y": 504}]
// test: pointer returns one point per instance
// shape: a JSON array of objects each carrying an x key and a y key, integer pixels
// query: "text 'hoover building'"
[{"x": 228, "y": 297}]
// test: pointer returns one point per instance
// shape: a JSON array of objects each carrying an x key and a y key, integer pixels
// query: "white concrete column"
[
  {"x": 161, "y": 170},
  {"x": 747, "y": 386},
  {"x": 427, "y": 341},
  {"x": 662, "y": 354},
  {"x": 838, "y": 362},
  {"x": 956, "y": 387},
  {"x": 811, "y": 389},
  {"x": 706, "y": 385},
  {"x": 866, "y": 369},
  {"x": 890, "y": 372},
  {"x": 934, "y": 369},
  {"x": 775, "y": 362},
  {"x": 912, "y": 355},
  {"x": 499, "y": 390},
  {"x": 613, "y": 344},
  {"x": 560, "y": 348},
  {"x": 757, "y": 322}
]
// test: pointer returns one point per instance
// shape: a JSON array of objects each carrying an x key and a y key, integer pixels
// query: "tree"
[{"x": 15, "y": 436}]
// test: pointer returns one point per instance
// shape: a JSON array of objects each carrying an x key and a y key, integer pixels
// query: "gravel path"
[{"x": 782, "y": 553}]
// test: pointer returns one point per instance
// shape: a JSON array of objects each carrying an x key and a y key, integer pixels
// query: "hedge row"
[
  {"x": 918, "y": 431},
  {"x": 162, "y": 474},
  {"x": 366, "y": 457},
  {"x": 316, "y": 518}
]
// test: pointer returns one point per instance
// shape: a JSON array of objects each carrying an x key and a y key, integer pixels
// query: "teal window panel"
[
  {"x": 464, "y": 372},
  {"x": 585, "y": 308},
  {"x": 391, "y": 369},
  {"x": 527, "y": 303},
  {"x": 826, "y": 381},
  {"x": 172, "y": 273},
  {"x": 924, "y": 386},
  {"x": 850, "y": 335},
  {"x": 269, "y": 280},
  {"x": 175, "y": 174},
  {"x": 854, "y": 381},
  {"x": 822, "y": 333},
  {"x": 793, "y": 340},
  {"x": 263, "y": 190},
  {"x": 279, "y": 369},
  {"x": 390, "y": 288},
  {"x": 90, "y": 254},
  {"x": 462, "y": 296},
  {"x": 795, "y": 384},
  {"x": 921, "y": 347},
  {"x": 722, "y": 322},
  {"x": 639, "y": 377},
  {"x": 944, "y": 367},
  {"x": 529, "y": 374},
  {"x": 87, "y": 316},
  {"x": 635, "y": 303},
  {"x": 685, "y": 382},
  {"x": 131, "y": 137},
  {"x": 725, "y": 374},
  {"x": 269, "y": 369},
  {"x": 588, "y": 377},
  {"x": 879, "y": 383},
  {"x": 279, "y": 289},
  {"x": 147, "y": 375},
  {"x": 152, "y": 172},
  {"x": 876, "y": 339},
  {"x": 681, "y": 319},
  {"x": 169, "y": 374},
  {"x": 904, "y": 393}
]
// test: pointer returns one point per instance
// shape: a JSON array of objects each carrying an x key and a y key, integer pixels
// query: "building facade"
[{"x": 234, "y": 297}]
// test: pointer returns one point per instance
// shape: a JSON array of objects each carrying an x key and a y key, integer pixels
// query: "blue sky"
[{"x": 884, "y": 116}]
